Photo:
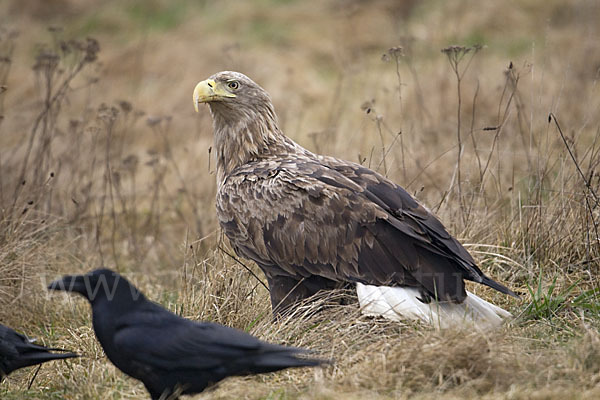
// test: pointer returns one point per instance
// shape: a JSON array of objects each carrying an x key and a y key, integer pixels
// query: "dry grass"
[{"x": 104, "y": 163}]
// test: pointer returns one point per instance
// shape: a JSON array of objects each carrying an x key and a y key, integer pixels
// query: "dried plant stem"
[
  {"x": 455, "y": 56},
  {"x": 460, "y": 145},
  {"x": 590, "y": 208},
  {"x": 51, "y": 101},
  {"x": 5, "y": 65},
  {"x": 383, "y": 151},
  {"x": 243, "y": 265},
  {"x": 397, "y": 60}
]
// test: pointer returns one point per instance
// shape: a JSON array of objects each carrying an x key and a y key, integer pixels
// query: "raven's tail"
[
  {"x": 282, "y": 357},
  {"x": 27, "y": 359}
]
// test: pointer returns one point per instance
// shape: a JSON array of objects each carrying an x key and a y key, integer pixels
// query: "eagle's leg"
[{"x": 287, "y": 291}]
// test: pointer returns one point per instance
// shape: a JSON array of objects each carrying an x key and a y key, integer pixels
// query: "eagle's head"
[
  {"x": 232, "y": 93},
  {"x": 244, "y": 121}
]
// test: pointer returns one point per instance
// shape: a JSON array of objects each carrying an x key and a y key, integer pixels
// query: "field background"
[{"x": 103, "y": 162}]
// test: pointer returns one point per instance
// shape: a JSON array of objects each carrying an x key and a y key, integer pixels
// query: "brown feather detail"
[{"x": 312, "y": 221}]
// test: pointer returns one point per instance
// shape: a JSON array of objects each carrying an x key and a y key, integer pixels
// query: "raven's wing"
[{"x": 161, "y": 340}]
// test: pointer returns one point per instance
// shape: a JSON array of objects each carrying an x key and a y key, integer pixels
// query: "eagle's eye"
[{"x": 233, "y": 85}]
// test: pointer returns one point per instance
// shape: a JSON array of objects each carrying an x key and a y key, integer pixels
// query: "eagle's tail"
[{"x": 397, "y": 303}]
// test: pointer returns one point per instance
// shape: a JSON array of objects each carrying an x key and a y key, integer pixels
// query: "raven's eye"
[{"x": 233, "y": 85}]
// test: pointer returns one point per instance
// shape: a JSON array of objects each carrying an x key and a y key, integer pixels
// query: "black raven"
[
  {"x": 170, "y": 354},
  {"x": 18, "y": 351}
]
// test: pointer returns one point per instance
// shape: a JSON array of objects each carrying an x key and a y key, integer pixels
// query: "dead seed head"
[
  {"x": 46, "y": 60},
  {"x": 459, "y": 51},
  {"x": 91, "y": 50},
  {"x": 455, "y": 49},
  {"x": 87, "y": 49},
  {"x": 393, "y": 53},
  {"x": 107, "y": 114},
  {"x": 126, "y": 106},
  {"x": 397, "y": 51},
  {"x": 131, "y": 162}
]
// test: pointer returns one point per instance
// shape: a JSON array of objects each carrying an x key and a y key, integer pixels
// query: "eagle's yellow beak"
[{"x": 209, "y": 90}]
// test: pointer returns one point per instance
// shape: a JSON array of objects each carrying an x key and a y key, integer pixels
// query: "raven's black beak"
[{"x": 70, "y": 283}]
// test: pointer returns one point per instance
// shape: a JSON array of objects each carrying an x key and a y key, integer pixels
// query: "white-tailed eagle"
[{"x": 313, "y": 222}]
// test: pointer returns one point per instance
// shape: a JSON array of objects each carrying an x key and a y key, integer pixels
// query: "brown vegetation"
[{"x": 103, "y": 162}]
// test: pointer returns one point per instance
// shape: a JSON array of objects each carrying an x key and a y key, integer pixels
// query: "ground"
[{"x": 103, "y": 162}]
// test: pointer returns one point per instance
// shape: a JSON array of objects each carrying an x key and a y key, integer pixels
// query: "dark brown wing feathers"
[{"x": 342, "y": 222}]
